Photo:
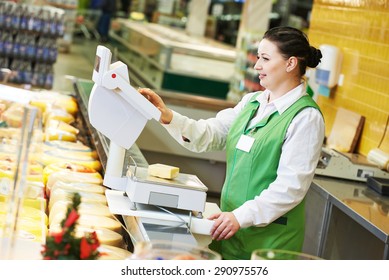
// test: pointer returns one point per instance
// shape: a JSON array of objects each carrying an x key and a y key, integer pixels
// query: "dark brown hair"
[{"x": 293, "y": 42}]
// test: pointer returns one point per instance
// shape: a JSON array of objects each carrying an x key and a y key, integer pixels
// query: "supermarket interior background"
[{"x": 200, "y": 55}]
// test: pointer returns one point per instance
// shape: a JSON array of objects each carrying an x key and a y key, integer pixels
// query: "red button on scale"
[{"x": 113, "y": 76}]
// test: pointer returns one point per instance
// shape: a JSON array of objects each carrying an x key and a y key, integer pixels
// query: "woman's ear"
[{"x": 291, "y": 63}]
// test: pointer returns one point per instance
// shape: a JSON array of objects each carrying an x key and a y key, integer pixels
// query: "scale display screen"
[{"x": 97, "y": 63}]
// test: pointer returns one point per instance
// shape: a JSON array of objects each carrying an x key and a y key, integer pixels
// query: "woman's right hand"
[{"x": 156, "y": 100}]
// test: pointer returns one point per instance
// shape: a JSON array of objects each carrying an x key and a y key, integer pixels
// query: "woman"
[{"x": 273, "y": 141}]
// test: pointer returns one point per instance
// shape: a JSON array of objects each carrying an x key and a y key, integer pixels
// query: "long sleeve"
[{"x": 204, "y": 135}]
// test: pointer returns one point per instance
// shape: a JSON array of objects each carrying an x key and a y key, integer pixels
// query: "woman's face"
[{"x": 270, "y": 65}]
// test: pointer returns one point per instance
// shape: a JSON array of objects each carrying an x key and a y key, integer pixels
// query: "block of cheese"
[
  {"x": 32, "y": 189},
  {"x": 34, "y": 170},
  {"x": 37, "y": 203},
  {"x": 9, "y": 133},
  {"x": 163, "y": 171},
  {"x": 62, "y": 126},
  {"x": 67, "y": 169},
  {"x": 85, "y": 208},
  {"x": 58, "y": 114},
  {"x": 69, "y": 176},
  {"x": 105, "y": 236},
  {"x": 91, "y": 221},
  {"x": 94, "y": 221},
  {"x": 58, "y": 134},
  {"x": 13, "y": 115},
  {"x": 77, "y": 148},
  {"x": 28, "y": 226},
  {"x": 113, "y": 253},
  {"x": 27, "y": 211},
  {"x": 63, "y": 157},
  {"x": 64, "y": 195},
  {"x": 78, "y": 187},
  {"x": 48, "y": 99}
]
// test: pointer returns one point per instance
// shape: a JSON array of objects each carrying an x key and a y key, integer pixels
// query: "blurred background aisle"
[{"x": 78, "y": 63}]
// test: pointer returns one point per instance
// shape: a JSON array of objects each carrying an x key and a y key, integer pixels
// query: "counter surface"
[
  {"x": 347, "y": 220},
  {"x": 364, "y": 205}
]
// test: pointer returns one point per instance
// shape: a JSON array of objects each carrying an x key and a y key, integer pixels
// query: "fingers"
[
  {"x": 146, "y": 92},
  {"x": 151, "y": 96},
  {"x": 156, "y": 100},
  {"x": 221, "y": 230},
  {"x": 214, "y": 216},
  {"x": 225, "y": 226}
]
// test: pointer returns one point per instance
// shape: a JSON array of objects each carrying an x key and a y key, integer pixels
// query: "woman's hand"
[
  {"x": 225, "y": 225},
  {"x": 156, "y": 100}
]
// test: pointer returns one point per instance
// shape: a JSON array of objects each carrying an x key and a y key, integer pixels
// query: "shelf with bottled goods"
[
  {"x": 69, "y": 8},
  {"x": 167, "y": 58},
  {"x": 28, "y": 42}
]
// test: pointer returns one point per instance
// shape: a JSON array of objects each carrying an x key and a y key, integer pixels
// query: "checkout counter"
[
  {"x": 338, "y": 211},
  {"x": 347, "y": 208},
  {"x": 138, "y": 228},
  {"x": 344, "y": 218}
]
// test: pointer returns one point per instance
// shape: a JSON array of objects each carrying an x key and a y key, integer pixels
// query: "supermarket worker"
[{"x": 273, "y": 141}]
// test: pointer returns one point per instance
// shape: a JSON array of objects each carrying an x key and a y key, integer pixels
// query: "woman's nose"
[{"x": 257, "y": 65}]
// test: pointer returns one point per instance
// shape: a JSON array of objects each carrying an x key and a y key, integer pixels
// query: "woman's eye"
[{"x": 263, "y": 58}]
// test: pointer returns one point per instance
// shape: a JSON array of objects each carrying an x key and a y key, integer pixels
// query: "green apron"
[{"x": 249, "y": 173}]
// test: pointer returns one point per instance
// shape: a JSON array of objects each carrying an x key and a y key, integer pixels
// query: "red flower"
[
  {"x": 94, "y": 241},
  {"x": 72, "y": 218},
  {"x": 57, "y": 237},
  {"x": 85, "y": 249}
]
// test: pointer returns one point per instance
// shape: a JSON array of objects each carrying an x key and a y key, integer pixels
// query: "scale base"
[
  {"x": 134, "y": 206},
  {"x": 120, "y": 204}
]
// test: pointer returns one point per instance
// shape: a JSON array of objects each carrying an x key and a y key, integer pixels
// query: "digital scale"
[
  {"x": 120, "y": 113},
  {"x": 185, "y": 192},
  {"x": 347, "y": 166}
]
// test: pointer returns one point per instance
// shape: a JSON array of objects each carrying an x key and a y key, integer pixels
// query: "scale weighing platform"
[
  {"x": 177, "y": 202},
  {"x": 185, "y": 192}
]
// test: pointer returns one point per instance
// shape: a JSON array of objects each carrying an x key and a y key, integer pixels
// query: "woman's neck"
[{"x": 282, "y": 90}]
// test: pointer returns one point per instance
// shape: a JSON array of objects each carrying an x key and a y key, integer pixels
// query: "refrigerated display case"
[
  {"x": 41, "y": 165},
  {"x": 23, "y": 222},
  {"x": 167, "y": 58}
]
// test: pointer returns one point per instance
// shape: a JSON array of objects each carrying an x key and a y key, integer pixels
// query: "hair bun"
[{"x": 314, "y": 57}]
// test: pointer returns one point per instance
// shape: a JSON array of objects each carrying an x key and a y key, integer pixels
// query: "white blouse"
[{"x": 300, "y": 152}]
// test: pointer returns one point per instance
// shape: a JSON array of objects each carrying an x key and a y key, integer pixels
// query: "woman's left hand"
[{"x": 225, "y": 225}]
